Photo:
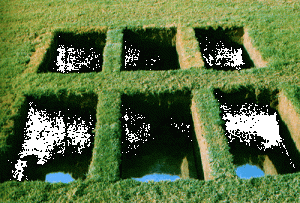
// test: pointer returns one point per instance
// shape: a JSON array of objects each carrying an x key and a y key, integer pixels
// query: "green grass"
[{"x": 274, "y": 26}]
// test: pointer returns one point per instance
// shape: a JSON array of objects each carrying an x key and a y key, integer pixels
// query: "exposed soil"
[
  {"x": 202, "y": 143},
  {"x": 255, "y": 55},
  {"x": 292, "y": 122},
  {"x": 37, "y": 57}
]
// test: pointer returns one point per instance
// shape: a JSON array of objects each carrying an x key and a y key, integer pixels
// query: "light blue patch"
[
  {"x": 157, "y": 177},
  {"x": 59, "y": 177},
  {"x": 247, "y": 171}
]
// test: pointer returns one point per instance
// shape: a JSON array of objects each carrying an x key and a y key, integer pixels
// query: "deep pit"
[
  {"x": 149, "y": 49},
  {"x": 158, "y": 136},
  {"x": 223, "y": 49},
  {"x": 255, "y": 131},
  {"x": 72, "y": 52},
  {"x": 55, "y": 135}
]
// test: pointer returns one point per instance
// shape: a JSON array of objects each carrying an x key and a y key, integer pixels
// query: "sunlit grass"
[{"x": 274, "y": 27}]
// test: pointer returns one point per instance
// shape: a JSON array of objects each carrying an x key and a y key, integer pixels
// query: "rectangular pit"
[
  {"x": 158, "y": 136},
  {"x": 55, "y": 134},
  {"x": 149, "y": 49},
  {"x": 271, "y": 148},
  {"x": 223, "y": 49},
  {"x": 71, "y": 52}
]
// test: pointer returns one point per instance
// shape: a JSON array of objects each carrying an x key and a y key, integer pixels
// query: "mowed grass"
[
  {"x": 274, "y": 28},
  {"x": 26, "y": 26}
]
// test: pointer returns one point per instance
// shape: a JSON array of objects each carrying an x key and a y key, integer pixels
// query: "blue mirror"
[
  {"x": 157, "y": 177},
  {"x": 248, "y": 171},
  {"x": 59, "y": 177}
]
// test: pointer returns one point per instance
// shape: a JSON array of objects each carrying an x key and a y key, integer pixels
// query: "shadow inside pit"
[
  {"x": 157, "y": 137},
  {"x": 222, "y": 49},
  {"x": 149, "y": 49},
  {"x": 284, "y": 156},
  {"x": 54, "y": 134},
  {"x": 70, "y": 52}
]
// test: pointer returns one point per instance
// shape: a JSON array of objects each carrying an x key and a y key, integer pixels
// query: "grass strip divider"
[
  {"x": 112, "y": 54},
  {"x": 107, "y": 144},
  {"x": 188, "y": 48},
  {"x": 221, "y": 161}
]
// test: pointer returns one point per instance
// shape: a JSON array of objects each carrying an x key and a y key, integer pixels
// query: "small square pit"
[
  {"x": 54, "y": 135},
  {"x": 256, "y": 133},
  {"x": 223, "y": 49},
  {"x": 158, "y": 136},
  {"x": 72, "y": 52},
  {"x": 149, "y": 49}
]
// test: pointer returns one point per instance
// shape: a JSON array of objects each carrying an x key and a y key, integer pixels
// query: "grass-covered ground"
[{"x": 26, "y": 26}]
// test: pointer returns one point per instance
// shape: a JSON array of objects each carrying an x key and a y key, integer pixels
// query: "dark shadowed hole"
[
  {"x": 149, "y": 49},
  {"x": 255, "y": 132},
  {"x": 222, "y": 49},
  {"x": 74, "y": 53},
  {"x": 158, "y": 136},
  {"x": 56, "y": 136}
]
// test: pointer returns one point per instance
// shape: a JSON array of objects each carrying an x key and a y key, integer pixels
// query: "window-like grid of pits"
[
  {"x": 223, "y": 49},
  {"x": 55, "y": 134},
  {"x": 154, "y": 49},
  {"x": 149, "y": 49},
  {"x": 72, "y": 52},
  {"x": 158, "y": 136},
  {"x": 266, "y": 141}
]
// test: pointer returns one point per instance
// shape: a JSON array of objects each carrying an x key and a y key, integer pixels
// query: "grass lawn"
[{"x": 29, "y": 32}]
